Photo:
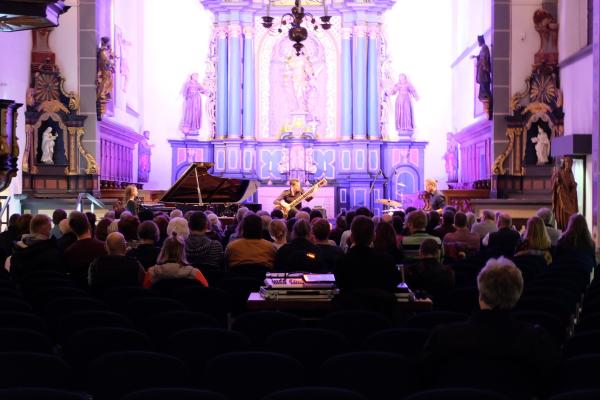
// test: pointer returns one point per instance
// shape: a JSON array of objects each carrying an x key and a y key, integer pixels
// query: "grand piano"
[{"x": 196, "y": 189}]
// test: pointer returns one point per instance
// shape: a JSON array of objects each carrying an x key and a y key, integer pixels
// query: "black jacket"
[
  {"x": 362, "y": 268},
  {"x": 111, "y": 271},
  {"x": 32, "y": 254},
  {"x": 298, "y": 255},
  {"x": 505, "y": 241}
]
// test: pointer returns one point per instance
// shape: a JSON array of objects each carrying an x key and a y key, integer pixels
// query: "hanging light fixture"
[
  {"x": 297, "y": 33},
  {"x": 17, "y": 15}
]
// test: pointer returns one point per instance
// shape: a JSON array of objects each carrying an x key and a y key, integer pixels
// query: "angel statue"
[
  {"x": 300, "y": 78},
  {"x": 48, "y": 141},
  {"x": 404, "y": 108},
  {"x": 542, "y": 146},
  {"x": 192, "y": 113}
]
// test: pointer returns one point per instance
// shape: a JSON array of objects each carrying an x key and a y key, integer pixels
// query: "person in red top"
[{"x": 80, "y": 254}]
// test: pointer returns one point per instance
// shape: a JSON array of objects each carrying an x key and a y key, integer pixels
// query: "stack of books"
[{"x": 279, "y": 286}]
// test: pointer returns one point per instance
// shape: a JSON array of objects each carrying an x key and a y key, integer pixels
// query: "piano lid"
[{"x": 212, "y": 188}]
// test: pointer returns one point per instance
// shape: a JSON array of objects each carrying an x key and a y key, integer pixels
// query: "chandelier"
[{"x": 297, "y": 33}]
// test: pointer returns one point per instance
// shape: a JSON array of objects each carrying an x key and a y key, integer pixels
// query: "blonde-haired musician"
[{"x": 436, "y": 200}]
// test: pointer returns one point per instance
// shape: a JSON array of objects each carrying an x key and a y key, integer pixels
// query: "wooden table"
[{"x": 257, "y": 303}]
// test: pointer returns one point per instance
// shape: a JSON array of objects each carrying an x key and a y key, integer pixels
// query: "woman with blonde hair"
[
  {"x": 535, "y": 240},
  {"x": 172, "y": 264},
  {"x": 278, "y": 232},
  {"x": 576, "y": 246},
  {"x": 130, "y": 199}
]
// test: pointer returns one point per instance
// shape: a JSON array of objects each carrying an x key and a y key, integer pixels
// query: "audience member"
[
  {"x": 345, "y": 239},
  {"x": 300, "y": 254},
  {"x": 172, "y": 262},
  {"x": 315, "y": 214},
  {"x": 575, "y": 246},
  {"x": 23, "y": 224},
  {"x": 278, "y": 232},
  {"x": 179, "y": 225},
  {"x": 398, "y": 224},
  {"x": 329, "y": 254},
  {"x": 115, "y": 268},
  {"x": 385, "y": 242},
  {"x": 487, "y": 224},
  {"x": 416, "y": 221},
  {"x": 433, "y": 221},
  {"x": 202, "y": 251},
  {"x": 92, "y": 220},
  {"x": 176, "y": 213},
  {"x": 289, "y": 224},
  {"x": 361, "y": 267},
  {"x": 9, "y": 237},
  {"x": 80, "y": 254},
  {"x": 146, "y": 251},
  {"x": 162, "y": 221},
  {"x": 277, "y": 214},
  {"x": 36, "y": 250},
  {"x": 462, "y": 239},
  {"x": 145, "y": 215},
  {"x": 491, "y": 342},
  {"x": 232, "y": 228},
  {"x": 68, "y": 236},
  {"x": 340, "y": 227},
  {"x": 215, "y": 230},
  {"x": 446, "y": 226},
  {"x": 471, "y": 219},
  {"x": 266, "y": 221},
  {"x": 505, "y": 240},
  {"x": 128, "y": 226},
  {"x": 535, "y": 240},
  {"x": 303, "y": 215},
  {"x": 292, "y": 213},
  {"x": 102, "y": 229},
  {"x": 427, "y": 273},
  {"x": 250, "y": 248},
  {"x": 546, "y": 215},
  {"x": 57, "y": 216}
]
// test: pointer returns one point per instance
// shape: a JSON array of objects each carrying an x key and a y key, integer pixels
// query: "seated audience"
[
  {"x": 300, "y": 254},
  {"x": 102, "y": 229},
  {"x": 145, "y": 215},
  {"x": 433, "y": 221},
  {"x": 487, "y": 224},
  {"x": 315, "y": 214},
  {"x": 576, "y": 246},
  {"x": 68, "y": 236},
  {"x": 8, "y": 238},
  {"x": 505, "y": 239},
  {"x": 427, "y": 273},
  {"x": 278, "y": 232},
  {"x": 179, "y": 225},
  {"x": 172, "y": 263},
  {"x": 462, "y": 239},
  {"x": 329, "y": 253},
  {"x": 546, "y": 215},
  {"x": 23, "y": 224},
  {"x": 215, "y": 231},
  {"x": 385, "y": 242},
  {"x": 146, "y": 251},
  {"x": 416, "y": 221},
  {"x": 80, "y": 254},
  {"x": 289, "y": 225},
  {"x": 176, "y": 213},
  {"x": 266, "y": 221},
  {"x": 57, "y": 216},
  {"x": 471, "y": 219},
  {"x": 115, "y": 268},
  {"x": 492, "y": 350},
  {"x": 200, "y": 250},
  {"x": 345, "y": 239},
  {"x": 250, "y": 248},
  {"x": 535, "y": 241},
  {"x": 128, "y": 226},
  {"x": 232, "y": 228},
  {"x": 277, "y": 214},
  {"x": 92, "y": 220},
  {"x": 447, "y": 225},
  {"x": 361, "y": 267},
  {"x": 36, "y": 250},
  {"x": 303, "y": 215},
  {"x": 162, "y": 221}
]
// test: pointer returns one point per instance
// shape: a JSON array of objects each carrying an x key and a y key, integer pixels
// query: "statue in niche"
[
  {"x": 542, "y": 146},
  {"x": 451, "y": 158},
  {"x": 144, "y": 158},
  {"x": 483, "y": 76},
  {"x": 300, "y": 78},
  {"x": 404, "y": 108},
  {"x": 564, "y": 193},
  {"x": 192, "y": 112},
  {"x": 105, "y": 75},
  {"x": 48, "y": 142}
]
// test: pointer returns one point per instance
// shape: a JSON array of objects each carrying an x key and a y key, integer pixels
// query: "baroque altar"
[{"x": 276, "y": 115}]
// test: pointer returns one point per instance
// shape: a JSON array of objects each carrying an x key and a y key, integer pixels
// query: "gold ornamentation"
[
  {"x": 498, "y": 168},
  {"x": 105, "y": 74},
  {"x": 92, "y": 166},
  {"x": 52, "y": 107},
  {"x": 537, "y": 108},
  {"x": 47, "y": 87}
]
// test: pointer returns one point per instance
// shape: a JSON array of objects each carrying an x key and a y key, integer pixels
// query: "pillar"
[
  {"x": 234, "y": 110},
  {"x": 596, "y": 119},
  {"x": 221, "y": 129},
  {"x": 359, "y": 106},
  {"x": 373, "y": 131},
  {"x": 346, "y": 83},
  {"x": 248, "y": 93}
]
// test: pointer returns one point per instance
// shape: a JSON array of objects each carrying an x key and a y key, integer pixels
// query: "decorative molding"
[
  {"x": 115, "y": 132},
  {"x": 248, "y": 32},
  {"x": 235, "y": 31},
  {"x": 360, "y": 31},
  {"x": 346, "y": 33},
  {"x": 221, "y": 32},
  {"x": 373, "y": 32}
]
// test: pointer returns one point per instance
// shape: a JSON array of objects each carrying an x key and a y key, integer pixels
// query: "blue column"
[
  {"x": 221, "y": 130},
  {"x": 359, "y": 109},
  {"x": 346, "y": 84},
  {"x": 234, "y": 128},
  {"x": 373, "y": 131},
  {"x": 248, "y": 100}
]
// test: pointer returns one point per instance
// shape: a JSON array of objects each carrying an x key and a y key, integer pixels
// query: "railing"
[
  {"x": 5, "y": 209},
  {"x": 94, "y": 202}
]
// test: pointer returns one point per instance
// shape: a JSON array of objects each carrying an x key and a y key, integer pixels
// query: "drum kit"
[{"x": 389, "y": 205}]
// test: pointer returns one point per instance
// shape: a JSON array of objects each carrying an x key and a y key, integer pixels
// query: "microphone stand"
[{"x": 371, "y": 194}]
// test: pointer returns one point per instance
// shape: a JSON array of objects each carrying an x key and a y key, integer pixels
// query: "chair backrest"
[
  {"x": 355, "y": 325},
  {"x": 578, "y": 373},
  {"x": 168, "y": 287},
  {"x": 26, "y": 340},
  {"x": 405, "y": 341},
  {"x": 142, "y": 309},
  {"x": 578, "y": 395},
  {"x": 41, "y": 394},
  {"x": 24, "y": 369},
  {"x": 430, "y": 320},
  {"x": 81, "y": 320},
  {"x": 258, "y": 326},
  {"x": 174, "y": 393},
  {"x": 456, "y": 393},
  {"x": 582, "y": 344},
  {"x": 62, "y": 307},
  {"x": 163, "y": 325},
  {"x": 209, "y": 300},
  {"x": 315, "y": 393},
  {"x": 556, "y": 328},
  {"x": 20, "y": 320}
]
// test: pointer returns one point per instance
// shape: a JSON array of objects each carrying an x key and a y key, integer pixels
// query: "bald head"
[
  {"x": 64, "y": 226},
  {"x": 115, "y": 244}
]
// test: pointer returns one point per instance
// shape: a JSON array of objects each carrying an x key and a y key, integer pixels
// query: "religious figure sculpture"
[
  {"x": 192, "y": 113},
  {"x": 144, "y": 158},
  {"x": 547, "y": 27},
  {"x": 451, "y": 158},
  {"x": 48, "y": 141},
  {"x": 483, "y": 77},
  {"x": 542, "y": 146},
  {"x": 299, "y": 77},
  {"x": 105, "y": 75},
  {"x": 564, "y": 193},
  {"x": 404, "y": 108}
]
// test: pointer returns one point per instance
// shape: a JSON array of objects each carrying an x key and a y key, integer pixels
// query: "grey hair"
[
  {"x": 545, "y": 214},
  {"x": 500, "y": 284}
]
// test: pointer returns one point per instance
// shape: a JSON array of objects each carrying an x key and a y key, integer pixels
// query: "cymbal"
[{"x": 389, "y": 203}]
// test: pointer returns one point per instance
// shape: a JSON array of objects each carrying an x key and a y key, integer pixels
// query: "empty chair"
[
  {"x": 258, "y": 326},
  {"x": 569, "y": 299},
  {"x": 256, "y": 271},
  {"x": 140, "y": 310},
  {"x": 308, "y": 345},
  {"x": 19, "y": 320},
  {"x": 174, "y": 394},
  {"x": 578, "y": 373},
  {"x": 581, "y": 344},
  {"x": 81, "y": 320},
  {"x": 315, "y": 393},
  {"x": 41, "y": 394},
  {"x": 430, "y": 320},
  {"x": 546, "y": 304},
  {"x": 26, "y": 340},
  {"x": 239, "y": 289},
  {"x": 34, "y": 370},
  {"x": 163, "y": 325},
  {"x": 463, "y": 300},
  {"x": 578, "y": 395},
  {"x": 168, "y": 287},
  {"x": 551, "y": 323},
  {"x": 40, "y": 298},
  {"x": 14, "y": 304},
  {"x": 84, "y": 346},
  {"x": 456, "y": 394},
  {"x": 251, "y": 375},
  {"x": 355, "y": 325},
  {"x": 375, "y": 375},
  {"x": 197, "y": 346},
  {"x": 62, "y": 307},
  {"x": 118, "y": 297},
  {"x": 7, "y": 284},
  {"x": 113, "y": 375},
  {"x": 209, "y": 300},
  {"x": 408, "y": 342},
  {"x": 9, "y": 293}
]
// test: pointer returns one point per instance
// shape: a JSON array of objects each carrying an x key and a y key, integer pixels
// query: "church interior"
[{"x": 204, "y": 110}]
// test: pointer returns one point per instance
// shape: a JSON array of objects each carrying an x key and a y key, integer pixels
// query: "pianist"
[{"x": 289, "y": 195}]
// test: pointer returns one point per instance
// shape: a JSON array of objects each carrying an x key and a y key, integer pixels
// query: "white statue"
[
  {"x": 48, "y": 141},
  {"x": 300, "y": 78},
  {"x": 542, "y": 146}
]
